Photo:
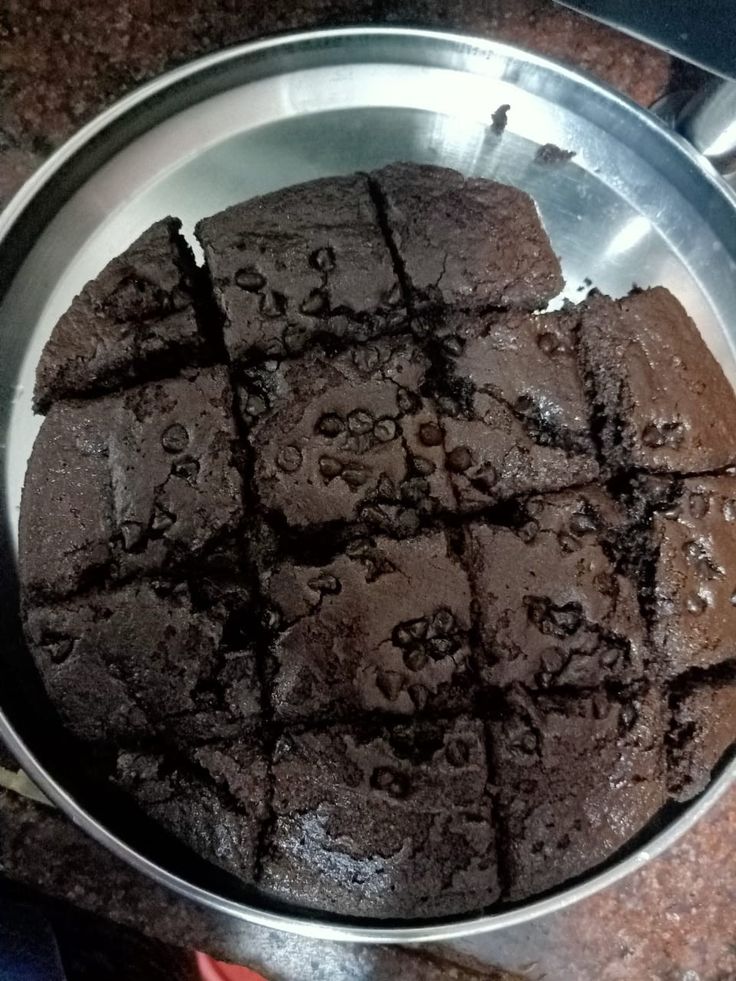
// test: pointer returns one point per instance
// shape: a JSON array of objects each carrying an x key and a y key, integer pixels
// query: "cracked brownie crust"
[{"x": 369, "y": 582}]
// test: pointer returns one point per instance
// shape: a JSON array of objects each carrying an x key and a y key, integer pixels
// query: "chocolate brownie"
[
  {"x": 346, "y": 437},
  {"x": 513, "y": 408},
  {"x": 395, "y": 822},
  {"x": 306, "y": 261},
  {"x": 124, "y": 664},
  {"x": 384, "y": 627},
  {"x": 702, "y": 730},
  {"x": 652, "y": 376},
  {"x": 553, "y": 608},
  {"x": 694, "y": 609},
  {"x": 214, "y": 802},
  {"x": 144, "y": 479},
  {"x": 578, "y": 777},
  {"x": 466, "y": 241},
  {"x": 136, "y": 319}
]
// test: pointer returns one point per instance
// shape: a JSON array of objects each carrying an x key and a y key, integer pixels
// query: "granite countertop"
[{"x": 673, "y": 920}]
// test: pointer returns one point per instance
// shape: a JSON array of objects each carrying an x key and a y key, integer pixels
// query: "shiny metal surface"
[
  {"x": 635, "y": 205},
  {"x": 708, "y": 122},
  {"x": 701, "y": 32}
]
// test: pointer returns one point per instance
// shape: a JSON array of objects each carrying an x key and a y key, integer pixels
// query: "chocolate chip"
[
  {"x": 430, "y": 434},
  {"x": 132, "y": 532},
  {"x": 529, "y": 531},
  {"x": 419, "y": 696},
  {"x": 401, "y": 635},
  {"x": 443, "y": 623},
  {"x": 415, "y": 658},
  {"x": 439, "y": 648},
  {"x": 60, "y": 650},
  {"x": 582, "y": 523},
  {"x": 325, "y": 583},
  {"x": 360, "y": 421},
  {"x": 272, "y": 304},
  {"x": 384, "y": 430},
  {"x": 390, "y": 781},
  {"x": 548, "y": 343},
  {"x": 389, "y": 684},
  {"x": 323, "y": 259},
  {"x": 366, "y": 358},
  {"x": 407, "y": 402},
  {"x": 385, "y": 488},
  {"x": 289, "y": 459},
  {"x": 354, "y": 477},
  {"x": 315, "y": 304},
  {"x": 418, "y": 628},
  {"x": 699, "y": 504},
  {"x": 457, "y": 753},
  {"x": 329, "y": 467},
  {"x": 295, "y": 338},
  {"x": 459, "y": 459},
  {"x": 453, "y": 346},
  {"x": 175, "y": 439},
  {"x": 330, "y": 425},
  {"x": 249, "y": 280}
]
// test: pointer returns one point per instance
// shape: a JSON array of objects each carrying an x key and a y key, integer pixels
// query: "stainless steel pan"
[{"x": 636, "y": 204}]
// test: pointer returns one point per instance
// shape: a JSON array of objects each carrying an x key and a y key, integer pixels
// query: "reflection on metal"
[{"x": 251, "y": 119}]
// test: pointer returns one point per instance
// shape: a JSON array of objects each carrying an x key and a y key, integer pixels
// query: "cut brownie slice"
[
  {"x": 695, "y": 576},
  {"x": 392, "y": 823},
  {"x": 132, "y": 321},
  {"x": 126, "y": 663},
  {"x": 578, "y": 777},
  {"x": 306, "y": 261},
  {"x": 347, "y": 437},
  {"x": 215, "y": 806},
  {"x": 553, "y": 608},
  {"x": 143, "y": 480},
  {"x": 513, "y": 406},
  {"x": 703, "y": 729},
  {"x": 383, "y": 627},
  {"x": 467, "y": 241},
  {"x": 652, "y": 374}
]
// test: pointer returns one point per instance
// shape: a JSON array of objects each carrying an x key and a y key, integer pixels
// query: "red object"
[{"x": 212, "y": 970}]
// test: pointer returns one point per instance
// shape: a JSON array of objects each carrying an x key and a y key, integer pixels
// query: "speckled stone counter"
[{"x": 672, "y": 921}]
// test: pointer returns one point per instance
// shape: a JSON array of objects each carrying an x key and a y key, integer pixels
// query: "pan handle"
[{"x": 708, "y": 121}]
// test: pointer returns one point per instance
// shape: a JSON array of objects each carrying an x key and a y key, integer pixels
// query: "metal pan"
[{"x": 636, "y": 204}]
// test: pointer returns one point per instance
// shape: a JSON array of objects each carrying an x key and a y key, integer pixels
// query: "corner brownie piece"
[
  {"x": 702, "y": 730},
  {"x": 123, "y": 664},
  {"x": 553, "y": 608},
  {"x": 513, "y": 407},
  {"x": 694, "y": 608},
  {"x": 144, "y": 479},
  {"x": 215, "y": 805},
  {"x": 578, "y": 777},
  {"x": 395, "y": 822},
  {"x": 383, "y": 627},
  {"x": 134, "y": 320},
  {"x": 467, "y": 241},
  {"x": 302, "y": 262},
  {"x": 347, "y": 437},
  {"x": 664, "y": 400}
]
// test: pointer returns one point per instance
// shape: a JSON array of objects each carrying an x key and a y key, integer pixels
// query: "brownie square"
[
  {"x": 392, "y": 823},
  {"x": 347, "y": 437},
  {"x": 664, "y": 401},
  {"x": 300, "y": 263},
  {"x": 513, "y": 406},
  {"x": 134, "y": 320},
  {"x": 144, "y": 479},
  {"x": 578, "y": 777},
  {"x": 702, "y": 730},
  {"x": 214, "y": 803},
  {"x": 383, "y": 627},
  {"x": 553, "y": 608},
  {"x": 467, "y": 241},
  {"x": 123, "y": 664},
  {"x": 695, "y": 576}
]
